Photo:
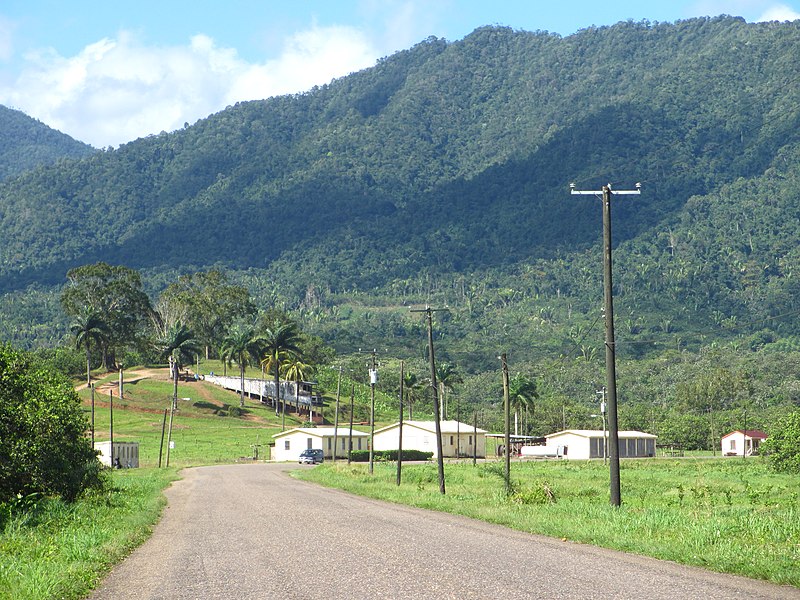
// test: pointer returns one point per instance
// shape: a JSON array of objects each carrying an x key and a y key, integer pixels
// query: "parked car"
[{"x": 311, "y": 456}]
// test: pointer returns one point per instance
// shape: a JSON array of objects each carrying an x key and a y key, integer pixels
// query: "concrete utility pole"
[
  {"x": 611, "y": 373},
  {"x": 436, "y": 415}
]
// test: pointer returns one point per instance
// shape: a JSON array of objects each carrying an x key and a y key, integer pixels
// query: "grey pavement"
[{"x": 252, "y": 532}]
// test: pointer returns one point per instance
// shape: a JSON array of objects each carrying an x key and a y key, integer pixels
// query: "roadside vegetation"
[
  {"x": 727, "y": 515},
  {"x": 50, "y": 548}
]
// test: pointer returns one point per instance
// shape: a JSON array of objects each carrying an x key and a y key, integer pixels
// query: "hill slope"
[
  {"x": 26, "y": 143},
  {"x": 451, "y": 161}
]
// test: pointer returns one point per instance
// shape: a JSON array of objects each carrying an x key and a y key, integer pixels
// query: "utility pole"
[
  {"x": 336, "y": 416},
  {"x": 373, "y": 380},
  {"x": 436, "y": 415},
  {"x": 602, "y": 394},
  {"x": 507, "y": 421},
  {"x": 111, "y": 423},
  {"x": 350, "y": 435},
  {"x": 400, "y": 432},
  {"x": 611, "y": 369}
]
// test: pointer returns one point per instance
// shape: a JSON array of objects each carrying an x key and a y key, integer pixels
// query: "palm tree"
[
  {"x": 243, "y": 345},
  {"x": 413, "y": 386},
  {"x": 296, "y": 370},
  {"x": 522, "y": 393},
  {"x": 448, "y": 377},
  {"x": 89, "y": 327},
  {"x": 280, "y": 342},
  {"x": 176, "y": 342}
]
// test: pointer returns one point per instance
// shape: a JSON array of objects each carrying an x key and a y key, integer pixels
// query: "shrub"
[
  {"x": 389, "y": 455},
  {"x": 782, "y": 447},
  {"x": 43, "y": 447}
]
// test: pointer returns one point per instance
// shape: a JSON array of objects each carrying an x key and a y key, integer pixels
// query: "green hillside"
[
  {"x": 441, "y": 175},
  {"x": 26, "y": 143}
]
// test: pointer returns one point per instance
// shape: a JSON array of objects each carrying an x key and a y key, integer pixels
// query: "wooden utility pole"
[
  {"x": 611, "y": 369},
  {"x": 507, "y": 421},
  {"x": 436, "y": 415},
  {"x": 336, "y": 416},
  {"x": 350, "y": 435},
  {"x": 92, "y": 386},
  {"x": 373, "y": 380},
  {"x": 111, "y": 424},
  {"x": 400, "y": 433},
  {"x": 161, "y": 445}
]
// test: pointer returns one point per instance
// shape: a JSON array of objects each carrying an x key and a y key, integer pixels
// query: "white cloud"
[
  {"x": 779, "y": 12},
  {"x": 752, "y": 10},
  {"x": 116, "y": 90}
]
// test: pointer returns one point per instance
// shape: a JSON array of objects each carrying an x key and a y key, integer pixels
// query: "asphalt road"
[{"x": 251, "y": 531}]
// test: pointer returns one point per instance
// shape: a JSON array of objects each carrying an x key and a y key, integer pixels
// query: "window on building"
[
  {"x": 359, "y": 443},
  {"x": 470, "y": 440},
  {"x": 310, "y": 443},
  {"x": 344, "y": 443},
  {"x": 330, "y": 443},
  {"x": 286, "y": 445},
  {"x": 451, "y": 440},
  {"x": 733, "y": 444}
]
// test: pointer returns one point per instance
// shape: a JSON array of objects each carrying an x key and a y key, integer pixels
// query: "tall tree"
[
  {"x": 447, "y": 376},
  {"x": 89, "y": 327},
  {"x": 242, "y": 345},
  {"x": 209, "y": 304},
  {"x": 522, "y": 393},
  {"x": 116, "y": 294},
  {"x": 280, "y": 341},
  {"x": 294, "y": 369}
]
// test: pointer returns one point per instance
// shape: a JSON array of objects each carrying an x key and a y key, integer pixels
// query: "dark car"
[{"x": 311, "y": 456}]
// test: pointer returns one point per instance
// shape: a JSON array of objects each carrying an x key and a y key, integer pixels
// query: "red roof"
[{"x": 751, "y": 433}]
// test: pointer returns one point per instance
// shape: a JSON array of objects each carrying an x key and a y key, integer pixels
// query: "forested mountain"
[
  {"x": 26, "y": 143},
  {"x": 442, "y": 174}
]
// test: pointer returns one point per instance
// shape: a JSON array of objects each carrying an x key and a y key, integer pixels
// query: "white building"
[
  {"x": 289, "y": 444},
  {"x": 458, "y": 439},
  {"x": 739, "y": 443},
  {"x": 587, "y": 443},
  {"x": 126, "y": 452}
]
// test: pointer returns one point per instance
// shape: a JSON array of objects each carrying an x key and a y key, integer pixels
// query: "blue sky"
[{"x": 107, "y": 72}]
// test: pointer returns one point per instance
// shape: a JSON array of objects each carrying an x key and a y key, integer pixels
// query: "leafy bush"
[
  {"x": 782, "y": 447},
  {"x": 389, "y": 455},
  {"x": 43, "y": 447}
]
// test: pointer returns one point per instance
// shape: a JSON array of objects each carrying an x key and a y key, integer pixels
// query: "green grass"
[
  {"x": 202, "y": 431},
  {"x": 59, "y": 550},
  {"x": 729, "y": 515}
]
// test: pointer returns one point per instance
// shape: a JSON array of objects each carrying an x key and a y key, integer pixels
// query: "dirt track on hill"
[{"x": 253, "y": 532}]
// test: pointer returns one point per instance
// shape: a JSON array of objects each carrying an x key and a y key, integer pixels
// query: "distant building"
[
  {"x": 586, "y": 443},
  {"x": 289, "y": 444},
  {"x": 458, "y": 439},
  {"x": 742, "y": 443},
  {"x": 126, "y": 452}
]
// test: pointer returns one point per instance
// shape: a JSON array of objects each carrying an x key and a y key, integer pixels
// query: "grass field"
[
  {"x": 203, "y": 431},
  {"x": 726, "y": 515},
  {"x": 58, "y": 550}
]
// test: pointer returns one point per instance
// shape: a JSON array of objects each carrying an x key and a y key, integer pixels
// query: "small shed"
[
  {"x": 289, "y": 444},
  {"x": 589, "y": 443},
  {"x": 742, "y": 442},
  {"x": 126, "y": 452},
  {"x": 458, "y": 439}
]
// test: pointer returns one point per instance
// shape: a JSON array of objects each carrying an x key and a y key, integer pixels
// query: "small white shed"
[
  {"x": 742, "y": 442},
  {"x": 289, "y": 444},
  {"x": 588, "y": 443},
  {"x": 126, "y": 452},
  {"x": 458, "y": 439}
]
